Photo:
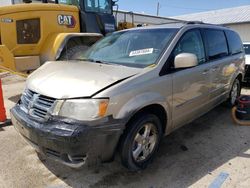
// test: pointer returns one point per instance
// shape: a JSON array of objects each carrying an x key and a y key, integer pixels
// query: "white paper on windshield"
[{"x": 141, "y": 52}]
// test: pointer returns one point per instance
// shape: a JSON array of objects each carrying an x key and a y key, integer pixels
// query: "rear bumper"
[{"x": 72, "y": 143}]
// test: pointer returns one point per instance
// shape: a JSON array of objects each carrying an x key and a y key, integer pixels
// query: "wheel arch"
[
  {"x": 126, "y": 159},
  {"x": 240, "y": 77},
  {"x": 155, "y": 109}
]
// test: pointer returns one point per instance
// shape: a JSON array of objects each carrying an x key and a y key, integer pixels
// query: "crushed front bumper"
[{"x": 72, "y": 143}]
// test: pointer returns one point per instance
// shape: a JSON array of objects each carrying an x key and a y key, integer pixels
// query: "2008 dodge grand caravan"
[{"x": 127, "y": 91}]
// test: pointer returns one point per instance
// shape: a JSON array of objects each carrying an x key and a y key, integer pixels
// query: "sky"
[{"x": 177, "y": 7}]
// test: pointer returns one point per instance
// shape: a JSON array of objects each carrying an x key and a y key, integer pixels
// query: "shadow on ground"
[{"x": 184, "y": 157}]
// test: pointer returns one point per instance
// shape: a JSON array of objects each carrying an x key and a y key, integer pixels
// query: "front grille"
[
  {"x": 52, "y": 152},
  {"x": 36, "y": 105}
]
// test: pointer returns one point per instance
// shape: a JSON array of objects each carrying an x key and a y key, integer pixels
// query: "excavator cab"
[{"x": 97, "y": 16}]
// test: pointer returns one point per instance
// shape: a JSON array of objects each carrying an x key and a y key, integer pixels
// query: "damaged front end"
[
  {"x": 60, "y": 117},
  {"x": 71, "y": 142}
]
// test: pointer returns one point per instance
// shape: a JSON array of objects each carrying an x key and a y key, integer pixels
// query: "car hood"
[
  {"x": 247, "y": 60},
  {"x": 75, "y": 79}
]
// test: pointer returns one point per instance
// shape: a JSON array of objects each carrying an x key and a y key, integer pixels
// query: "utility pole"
[{"x": 158, "y": 8}]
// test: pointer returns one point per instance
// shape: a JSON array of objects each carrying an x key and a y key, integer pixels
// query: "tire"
[
  {"x": 234, "y": 93},
  {"x": 73, "y": 52},
  {"x": 135, "y": 134}
]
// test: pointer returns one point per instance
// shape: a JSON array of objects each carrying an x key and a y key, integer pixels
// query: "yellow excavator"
[{"x": 33, "y": 33}]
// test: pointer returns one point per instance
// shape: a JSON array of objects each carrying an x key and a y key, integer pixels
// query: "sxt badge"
[{"x": 67, "y": 20}]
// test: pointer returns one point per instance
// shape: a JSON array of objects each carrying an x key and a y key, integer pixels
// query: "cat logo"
[{"x": 66, "y": 20}]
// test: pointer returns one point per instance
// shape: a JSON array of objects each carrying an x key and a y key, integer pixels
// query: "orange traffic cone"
[{"x": 3, "y": 117}]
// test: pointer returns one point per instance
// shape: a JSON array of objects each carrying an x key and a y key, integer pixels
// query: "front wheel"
[{"x": 140, "y": 142}]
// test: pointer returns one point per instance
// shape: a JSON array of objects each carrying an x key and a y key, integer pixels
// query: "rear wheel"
[
  {"x": 234, "y": 93},
  {"x": 140, "y": 142}
]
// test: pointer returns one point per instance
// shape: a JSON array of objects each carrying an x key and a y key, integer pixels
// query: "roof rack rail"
[
  {"x": 200, "y": 22},
  {"x": 188, "y": 23},
  {"x": 195, "y": 22},
  {"x": 182, "y": 21}
]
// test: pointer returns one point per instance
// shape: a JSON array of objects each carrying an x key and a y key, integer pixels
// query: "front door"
[{"x": 190, "y": 85}]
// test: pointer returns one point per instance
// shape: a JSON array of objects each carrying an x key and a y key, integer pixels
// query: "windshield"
[
  {"x": 102, "y": 6},
  {"x": 247, "y": 49},
  {"x": 134, "y": 48}
]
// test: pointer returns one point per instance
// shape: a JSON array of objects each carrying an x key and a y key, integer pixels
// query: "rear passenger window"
[
  {"x": 234, "y": 42},
  {"x": 217, "y": 44}
]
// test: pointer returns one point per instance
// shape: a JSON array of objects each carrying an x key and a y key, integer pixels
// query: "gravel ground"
[{"x": 192, "y": 156}]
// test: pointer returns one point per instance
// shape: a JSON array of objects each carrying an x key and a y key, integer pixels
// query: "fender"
[
  {"x": 55, "y": 43},
  {"x": 141, "y": 101}
]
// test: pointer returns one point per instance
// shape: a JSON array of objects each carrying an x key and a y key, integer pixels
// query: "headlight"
[{"x": 83, "y": 109}]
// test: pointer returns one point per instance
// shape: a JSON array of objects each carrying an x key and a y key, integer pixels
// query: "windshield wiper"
[
  {"x": 102, "y": 62},
  {"x": 91, "y": 60},
  {"x": 98, "y": 61}
]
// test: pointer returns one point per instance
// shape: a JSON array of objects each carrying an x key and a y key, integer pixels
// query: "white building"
[
  {"x": 10, "y": 2},
  {"x": 5, "y": 2},
  {"x": 140, "y": 19},
  {"x": 237, "y": 18},
  {"x": 121, "y": 16}
]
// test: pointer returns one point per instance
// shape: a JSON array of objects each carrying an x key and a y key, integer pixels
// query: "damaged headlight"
[{"x": 82, "y": 109}]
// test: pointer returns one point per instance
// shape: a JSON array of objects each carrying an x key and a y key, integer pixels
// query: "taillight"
[{"x": 28, "y": 31}]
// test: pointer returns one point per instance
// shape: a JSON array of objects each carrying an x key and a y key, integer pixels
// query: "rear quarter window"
[
  {"x": 216, "y": 44},
  {"x": 234, "y": 42}
]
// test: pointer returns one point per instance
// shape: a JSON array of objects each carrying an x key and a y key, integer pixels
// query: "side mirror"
[{"x": 185, "y": 60}]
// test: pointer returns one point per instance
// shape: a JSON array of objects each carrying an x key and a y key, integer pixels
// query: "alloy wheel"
[{"x": 144, "y": 142}]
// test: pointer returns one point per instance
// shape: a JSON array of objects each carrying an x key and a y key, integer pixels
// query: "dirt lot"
[{"x": 193, "y": 156}]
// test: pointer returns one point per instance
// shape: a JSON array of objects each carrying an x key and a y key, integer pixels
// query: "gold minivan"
[{"x": 127, "y": 91}]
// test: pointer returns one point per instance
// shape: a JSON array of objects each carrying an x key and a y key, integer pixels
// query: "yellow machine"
[
  {"x": 125, "y": 24},
  {"x": 31, "y": 34}
]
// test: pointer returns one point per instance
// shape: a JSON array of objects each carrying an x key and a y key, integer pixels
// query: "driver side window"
[{"x": 191, "y": 42}]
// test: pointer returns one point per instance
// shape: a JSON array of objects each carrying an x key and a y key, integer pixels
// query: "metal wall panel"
[
  {"x": 122, "y": 16},
  {"x": 243, "y": 29},
  {"x": 5, "y": 2}
]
